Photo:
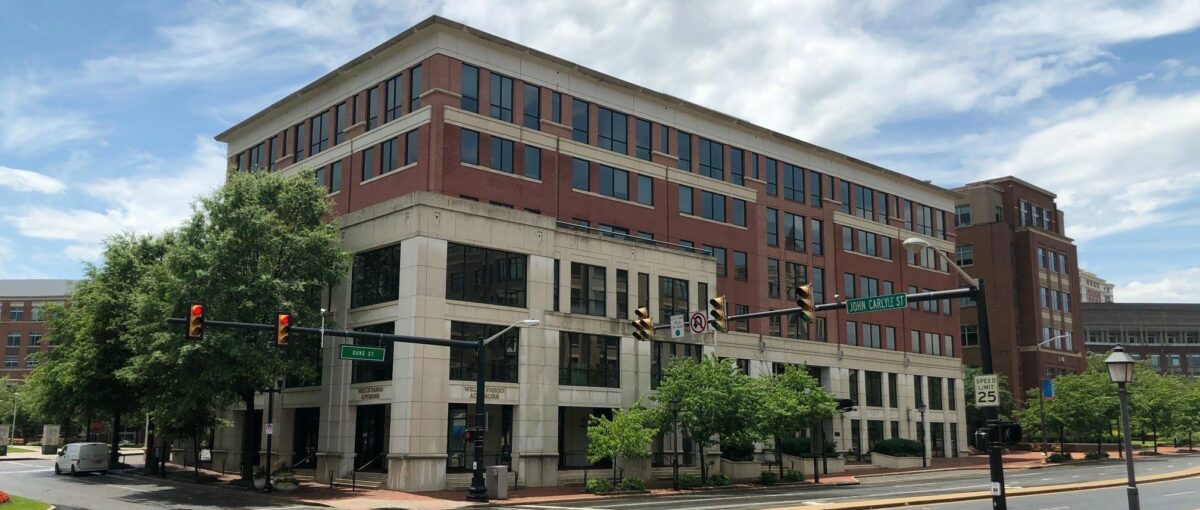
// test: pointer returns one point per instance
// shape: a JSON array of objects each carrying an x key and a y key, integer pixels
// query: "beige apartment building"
[{"x": 1094, "y": 289}]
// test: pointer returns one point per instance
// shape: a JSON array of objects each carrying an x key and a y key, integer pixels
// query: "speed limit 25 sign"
[{"x": 987, "y": 390}]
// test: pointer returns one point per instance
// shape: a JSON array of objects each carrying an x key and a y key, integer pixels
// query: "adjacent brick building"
[
  {"x": 1011, "y": 234},
  {"x": 22, "y": 322},
  {"x": 481, "y": 182},
  {"x": 1165, "y": 334}
]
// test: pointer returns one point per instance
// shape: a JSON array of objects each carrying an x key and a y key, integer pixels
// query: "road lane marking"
[
  {"x": 1058, "y": 508},
  {"x": 1177, "y": 494},
  {"x": 24, "y": 471},
  {"x": 15, "y": 463}
]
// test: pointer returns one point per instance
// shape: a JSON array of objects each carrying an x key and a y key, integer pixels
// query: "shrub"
[
  {"x": 738, "y": 451},
  {"x": 899, "y": 447},
  {"x": 802, "y": 447},
  {"x": 599, "y": 485},
  {"x": 1058, "y": 457},
  {"x": 719, "y": 480},
  {"x": 688, "y": 481},
  {"x": 792, "y": 475},
  {"x": 633, "y": 483},
  {"x": 768, "y": 478},
  {"x": 1095, "y": 456},
  {"x": 3, "y": 497}
]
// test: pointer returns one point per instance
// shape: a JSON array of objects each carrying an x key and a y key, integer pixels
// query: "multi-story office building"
[
  {"x": 1010, "y": 234},
  {"x": 1094, "y": 289},
  {"x": 23, "y": 323},
  {"x": 480, "y": 182},
  {"x": 1167, "y": 335}
]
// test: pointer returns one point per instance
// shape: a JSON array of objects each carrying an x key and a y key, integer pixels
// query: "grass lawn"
[
  {"x": 19, "y": 503},
  {"x": 23, "y": 449}
]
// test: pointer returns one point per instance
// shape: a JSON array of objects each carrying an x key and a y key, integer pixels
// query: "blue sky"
[{"x": 107, "y": 110}]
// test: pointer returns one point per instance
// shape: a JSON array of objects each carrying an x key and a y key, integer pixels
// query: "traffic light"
[
  {"x": 804, "y": 299},
  {"x": 195, "y": 322},
  {"x": 283, "y": 328},
  {"x": 643, "y": 327},
  {"x": 717, "y": 314}
]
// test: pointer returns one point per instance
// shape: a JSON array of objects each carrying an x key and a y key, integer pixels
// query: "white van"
[{"x": 78, "y": 458}]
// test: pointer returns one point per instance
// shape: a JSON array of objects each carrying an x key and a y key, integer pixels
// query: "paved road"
[
  {"x": 36, "y": 479},
  {"x": 877, "y": 487},
  {"x": 1176, "y": 495}
]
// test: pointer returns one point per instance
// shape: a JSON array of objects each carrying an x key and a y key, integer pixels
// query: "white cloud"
[
  {"x": 1119, "y": 164},
  {"x": 1177, "y": 286},
  {"x": 26, "y": 180},
  {"x": 11, "y": 266},
  {"x": 156, "y": 198},
  {"x": 27, "y": 126}
]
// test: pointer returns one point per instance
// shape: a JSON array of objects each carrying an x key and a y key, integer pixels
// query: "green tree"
[
  {"x": 976, "y": 418},
  {"x": 1088, "y": 400},
  {"x": 92, "y": 340},
  {"x": 626, "y": 436},
  {"x": 789, "y": 402},
  {"x": 1031, "y": 417},
  {"x": 717, "y": 402},
  {"x": 1187, "y": 422},
  {"x": 1155, "y": 400},
  {"x": 256, "y": 246}
]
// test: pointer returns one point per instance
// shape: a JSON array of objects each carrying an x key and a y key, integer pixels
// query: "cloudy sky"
[{"x": 107, "y": 110}]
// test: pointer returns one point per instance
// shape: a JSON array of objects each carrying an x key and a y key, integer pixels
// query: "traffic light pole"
[{"x": 995, "y": 454}]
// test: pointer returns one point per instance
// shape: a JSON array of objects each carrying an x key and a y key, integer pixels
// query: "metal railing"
[{"x": 354, "y": 473}]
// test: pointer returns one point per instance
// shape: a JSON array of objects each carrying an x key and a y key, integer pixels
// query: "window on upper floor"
[
  {"x": 393, "y": 98},
  {"x": 772, "y": 278},
  {"x": 772, "y": 227},
  {"x": 372, "y": 108},
  {"x": 501, "y": 157},
  {"x": 962, "y": 215},
  {"x": 684, "y": 149},
  {"x": 719, "y": 254},
  {"x": 298, "y": 142},
  {"x": 589, "y": 360},
  {"x": 532, "y": 97},
  {"x": 814, "y": 188},
  {"x": 795, "y": 274},
  {"x": 614, "y": 183},
  {"x": 772, "y": 177},
  {"x": 712, "y": 206},
  {"x": 685, "y": 200},
  {"x": 500, "y": 98},
  {"x": 375, "y": 277},
  {"x": 672, "y": 298},
  {"x": 369, "y": 160},
  {"x": 533, "y": 162},
  {"x": 579, "y": 121},
  {"x": 484, "y": 275},
  {"x": 737, "y": 170},
  {"x": 581, "y": 174},
  {"x": 613, "y": 130},
  {"x": 339, "y": 121},
  {"x": 741, "y": 267},
  {"x": 35, "y": 339},
  {"x": 642, "y": 146},
  {"x": 864, "y": 201},
  {"x": 965, "y": 254},
  {"x": 556, "y": 107},
  {"x": 335, "y": 176},
  {"x": 469, "y": 88},
  {"x": 793, "y": 232},
  {"x": 469, "y": 147},
  {"x": 500, "y": 357},
  {"x": 712, "y": 159},
  {"x": 818, "y": 244},
  {"x": 14, "y": 339},
  {"x": 372, "y": 371},
  {"x": 739, "y": 212},
  {"x": 645, "y": 189},
  {"x": 793, "y": 183},
  {"x": 416, "y": 84},
  {"x": 969, "y": 335},
  {"x": 388, "y": 154},
  {"x": 844, "y": 195},
  {"x": 412, "y": 146},
  {"x": 588, "y": 286}
]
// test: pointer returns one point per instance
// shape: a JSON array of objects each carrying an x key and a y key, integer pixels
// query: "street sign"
[
  {"x": 995, "y": 488},
  {"x": 698, "y": 322},
  {"x": 987, "y": 390},
  {"x": 270, "y": 428},
  {"x": 678, "y": 324},
  {"x": 877, "y": 303},
  {"x": 360, "y": 353}
]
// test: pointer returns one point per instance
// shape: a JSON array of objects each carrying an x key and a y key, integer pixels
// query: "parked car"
[{"x": 78, "y": 458}]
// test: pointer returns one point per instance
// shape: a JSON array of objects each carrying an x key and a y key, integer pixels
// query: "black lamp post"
[
  {"x": 924, "y": 460},
  {"x": 276, "y": 387},
  {"x": 1120, "y": 370},
  {"x": 674, "y": 407}
]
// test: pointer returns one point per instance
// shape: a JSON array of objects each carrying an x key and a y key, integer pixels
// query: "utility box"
[{"x": 497, "y": 482}]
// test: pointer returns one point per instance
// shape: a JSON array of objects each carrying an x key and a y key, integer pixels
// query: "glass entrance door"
[
  {"x": 370, "y": 438},
  {"x": 304, "y": 441}
]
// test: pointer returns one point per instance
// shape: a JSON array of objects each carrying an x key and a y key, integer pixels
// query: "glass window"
[
  {"x": 712, "y": 159},
  {"x": 965, "y": 254},
  {"x": 579, "y": 121},
  {"x": 533, "y": 162},
  {"x": 874, "y": 389},
  {"x": 393, "y": 99},
  {"x": 500, "y": 98},
  {"x": 712, "y": 206},
  {"x": 319, "y": 139},
  {"x": 818, "y": 285},
  {"x": 772, "y": 227},
  {"x": 469, "y": 147},
  {"x": 818, "y": 245},
  {"x": 298, "y": 143},
  {"x": 335, "y": 176},
  {"x": 501, "y": 155},
  {"x": 814, "y": 188},
  {"x": 412, "y": 146},
  {"x": 375, "y": 277},
  {"x": 14, "y": 339},
  {"x": 844, "y": 195},
  {"x": 737, "y": 173},
  {"x": 339, "y": 132},
  {"x": 483, "y": 275},
  {"x": 372, "y": 108},
  {"x": 852, "y": 339},
  {"x": 415, "y": 85},
  {"x": 643, "y": 289},
  {"x": 613, "y": 130},
  {"x": 623, "y": 294},
  {"x": 793, "y": 183},
  {"x": 684, "y": 147},
  {"x": 794, "y": 275},
  {"x": 321, "y": 178},
  {"x": 741, "y": 269},
  {"x": 772, "y": 278},
  {"x": 664, "y": 139},
  {"x": 645, "y": 190},
  {"x": 685, "y": 200},
  {"x": 672, "y": 298},
  {"x": 372, "y": 371},
  {"x": 500, "y": 357},
  {"x": 739, "y": 212},
  {"x": 718, "y": 253},
  {"x": 614, "y": 183},
  {"x": 387, "y": 155},
  {"x": 581, "y": 174},
  {"x": 793, "y": 232},
  {"x": 962, "y": 215},
  {"x": 533, "y": 106},
  {"x": 369, "y": 160},
  {"x": 663, "y": 353},
  {"x": 894, "y": 396},
  {"x": 890, "y": 338},
  {"x": 589, "y": 360},
  {"x": 772, "y": 178},
  {"x": 642, "y": 139},
  {"x": 588, "y": 285},
  {"x": 848, "y": 285}
]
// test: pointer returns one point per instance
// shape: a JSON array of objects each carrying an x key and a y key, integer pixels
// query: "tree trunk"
[
  {"x": 779, "y": 455},
  {"x": 114, "y": 455},
  {"x": 196, "y": 451},
  {"x": 1099, "y": 444},
  {"x": 703, "y": 467},
  {"x": 249, "y": 428},
  {"x": 1154, "y": 429},
  {"x": 151, "y": 460}
]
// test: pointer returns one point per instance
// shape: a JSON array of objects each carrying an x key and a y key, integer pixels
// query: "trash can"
[
  {"x": 497, "y": 482},
  {"x": 3, "y": 450}
]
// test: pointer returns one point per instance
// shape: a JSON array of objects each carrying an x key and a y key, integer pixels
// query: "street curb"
[
  {"x": 132, "y": 474},
  {"x": 969, "y": 496},
  {"x": 681, "y": 492}
]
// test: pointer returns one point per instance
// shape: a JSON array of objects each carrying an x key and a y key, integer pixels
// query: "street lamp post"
[
  {"x": 674, "y": 406},
  {"x": 13, "y": 433},
  {"x": 1120, "y": 370},
  {"x": 478, "y": 489},
  {"x": 979, "y": 295},
  {"x": 1042, "y": 407},
  {"x": 276, "y": 387},
  {"x": 921, "y": 409}
]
